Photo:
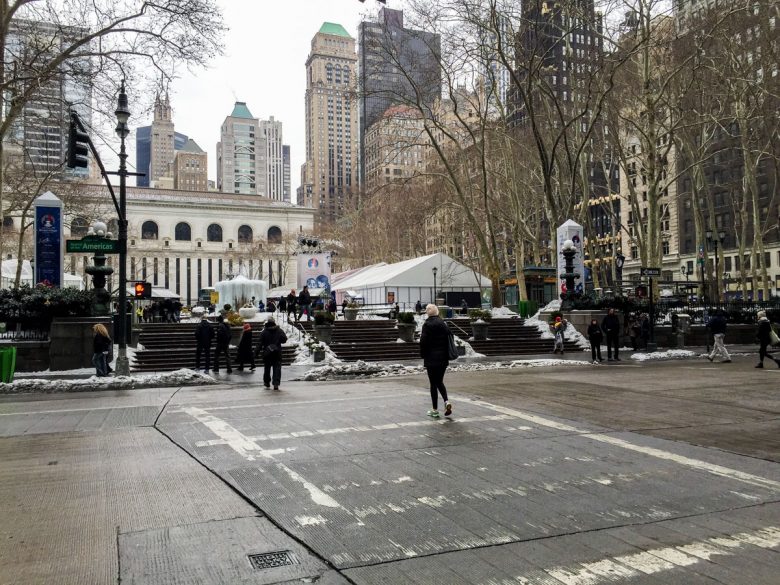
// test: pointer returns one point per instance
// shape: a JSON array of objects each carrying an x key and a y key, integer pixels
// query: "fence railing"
[
  {"x": 23, "y": 331},
  {"x": 736, "y": 311}
]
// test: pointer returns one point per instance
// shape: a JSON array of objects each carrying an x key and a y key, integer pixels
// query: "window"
[
  {"x": 182, "y": 233},
  {"x": 665, "y": 247},
  {"x": 274, "y": 235},
  {"x": 78, "y": 227},
  {"x": 245, "y": 234},
  {"x": 214, "y": 233},
  {"x": 149, "y": 230},
  {"x": 8, "y": 222}
]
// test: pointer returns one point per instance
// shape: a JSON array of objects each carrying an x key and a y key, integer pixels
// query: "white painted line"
[
  {"x": 65, "y": 410},
  {"x": 651, "y": 451},
  {"x": 248, "y": 449},
  {"x": 659, "y": 560},
  {"x": 294, "y": 403}
]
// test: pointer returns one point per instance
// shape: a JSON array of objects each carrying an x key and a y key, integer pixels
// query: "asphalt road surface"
[{"x": 657, "y": 473}]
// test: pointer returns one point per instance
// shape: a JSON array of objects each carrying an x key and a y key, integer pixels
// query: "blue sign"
[{"x": 48, "y": 246}]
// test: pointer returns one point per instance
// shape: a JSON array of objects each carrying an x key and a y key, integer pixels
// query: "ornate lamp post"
[
  {"x": 569, "y": 252},
  {"x": 99, "y": 272},
  {"x": 122, "y": 130},
  {"x": 434, "y": 270}
]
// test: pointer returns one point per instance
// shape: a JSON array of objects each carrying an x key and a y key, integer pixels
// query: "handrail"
[{"x": 458, "y": 327}]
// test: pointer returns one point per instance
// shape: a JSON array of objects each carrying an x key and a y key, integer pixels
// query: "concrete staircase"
[
  {"x": 170, "y": 346},
  {"x": 508, "y": 337},
  {"x": 370, "y": 340}
]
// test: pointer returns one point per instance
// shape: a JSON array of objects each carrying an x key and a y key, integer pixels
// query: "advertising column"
[{"x": 49, "y": 242}]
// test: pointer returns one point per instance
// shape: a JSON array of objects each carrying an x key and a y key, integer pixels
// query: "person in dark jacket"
[
  {"x": 204, "y": 333},
  {"x": 434, "y": 349},
  {"x": 611, "y": 327},
  {"x": 304, "y": 304},
  {"x": 270, "y": 347},
  {"x": 101, "y": 346},
  {"x": 291, "y": 301},
  {"x": 223, "y": 344},
  {"x": 246, "y": 349},
  {"x": 595, "y": 336},
  {"x": 764, "y": 336},
  {"x": 718, "y": 327}
]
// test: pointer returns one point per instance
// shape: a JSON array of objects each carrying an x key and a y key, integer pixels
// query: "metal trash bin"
[{"x": 7, "y": 364}]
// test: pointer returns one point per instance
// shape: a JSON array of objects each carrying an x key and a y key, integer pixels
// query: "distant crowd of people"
[{"x": 165, "y": 311}]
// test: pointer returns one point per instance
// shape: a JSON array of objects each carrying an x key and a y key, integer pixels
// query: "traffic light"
[
  {"x": 142, "y": 290},
  {"x": 78, "y": 145}
]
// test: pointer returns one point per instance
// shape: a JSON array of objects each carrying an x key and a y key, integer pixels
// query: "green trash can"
[
  {"x": 522, "y": 308},
  {"x": 7, "y": 364}
]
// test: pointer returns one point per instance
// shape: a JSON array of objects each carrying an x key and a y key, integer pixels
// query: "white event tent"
[
  {"x": 9, "y": 275},
  {"x": 410, "y": 280}
]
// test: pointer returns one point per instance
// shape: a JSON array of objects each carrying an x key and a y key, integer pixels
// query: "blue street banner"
[{"x": 48, "y": 241}]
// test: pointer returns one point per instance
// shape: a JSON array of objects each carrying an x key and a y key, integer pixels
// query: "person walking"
[
  {"x": 644, "y": 329},
  {"x": 204, "y": 333},
  {"x": 434, "y": 349},
  {"x": 718, "y": 327},
  {"x": 464, "y": 307},
  {"x": 304, "y": 304},
  {"x": 223, "y": 344},
  {"x": 559, "y": 339},
  {"x": 291, "y": 302},
  {"x": 245, "y": 353},
  {"x": 101, "y": 346},
  {"x": 634, "y": 332},
  {"x": 764, "y": 335},
  {"x": 282, "y": 305},
  {"x": 611, "y": 327},
  {"x": 595, "y": 336},
  {"x": 270, "y": 348}
]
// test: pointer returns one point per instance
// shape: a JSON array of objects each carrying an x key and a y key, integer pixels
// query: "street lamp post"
[
  {"x": 434, "y": 270},
  {"x": 568, "y": 251},
  {"x": 122, "y": 130},
  {"x": 714, "y": 242}
]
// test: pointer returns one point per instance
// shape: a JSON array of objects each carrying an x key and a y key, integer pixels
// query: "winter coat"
[
  {"x": 304, "y": 298},
  {"x": 204, "y": 333},
  {"x": 101, "y": 343},
  {"x": 611, "y": 325},
  {"x": 434, "y": 343},
  {"x": 291, "y": 300},
  {"x": 594, "y": 333},
  {"x": 764, "y": 329},
  {"x": 245, "y": 347},
  {"x": 223, "y": 334},
  {"x": 272, "y": 336},
  {"x": 718, "y": 325},
  {"x": 282, "y": 304}
]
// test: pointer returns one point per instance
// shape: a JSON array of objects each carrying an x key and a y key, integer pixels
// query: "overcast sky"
[{"x": 263, "y": 65}]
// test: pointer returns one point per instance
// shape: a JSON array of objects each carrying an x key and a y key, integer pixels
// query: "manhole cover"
[{"x": 270, "y": 560}]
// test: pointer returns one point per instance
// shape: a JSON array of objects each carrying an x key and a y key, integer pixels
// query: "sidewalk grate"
[{"x": 270, "y": 560}]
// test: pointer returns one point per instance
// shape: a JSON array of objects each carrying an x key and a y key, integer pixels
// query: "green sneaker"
[{"x": 433, "y": 413}]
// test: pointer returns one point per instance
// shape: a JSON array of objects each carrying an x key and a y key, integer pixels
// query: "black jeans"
[
  {"x": 276, "y": 365},
  {"x": 203, "y": 350},
  {"x": 762, "y": 353},
  {"x": 436, "y": 378},
  {"x": 222, "y": 349},
  {"x": 613, "y": 340},
  {"x": 595, "y": 348}
]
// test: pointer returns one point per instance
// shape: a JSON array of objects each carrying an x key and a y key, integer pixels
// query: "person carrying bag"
[{"x": 270, "y": 348}]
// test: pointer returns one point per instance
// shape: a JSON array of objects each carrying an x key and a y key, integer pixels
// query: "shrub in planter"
[
  {"x": 406, "y": 317},
  {"x": 323, "y": 318},
  {"x": 233, "y": 318},
  {"x": 477, "y": 314}
]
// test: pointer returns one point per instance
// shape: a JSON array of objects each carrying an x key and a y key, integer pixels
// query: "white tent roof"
[{"x": 414, "y": 273}]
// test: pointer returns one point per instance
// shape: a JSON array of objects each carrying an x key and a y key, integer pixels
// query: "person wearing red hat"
[{"x": 245, "y": 352}]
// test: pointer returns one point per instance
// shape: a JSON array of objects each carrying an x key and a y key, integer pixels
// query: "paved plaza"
[{"x": 641, "y": 473}]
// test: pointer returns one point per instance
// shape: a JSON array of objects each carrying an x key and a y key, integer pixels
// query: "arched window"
[
  {"x": 245, "y": 235},
  {"x": 183, "y": 233},
  {"x": 214, "y": 233},
  {"x": 79, "y": 227},
  {"x": 149, "y": 231},
  {"x": 274, "y": 235}
]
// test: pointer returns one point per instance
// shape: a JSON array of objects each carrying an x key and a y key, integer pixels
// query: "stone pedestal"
[
  {"x": 479, "y": 330},
  {"x": 406, "y": 331},
  {"x": 71, "y": 341},
  {"x": 323, "y": 333}
]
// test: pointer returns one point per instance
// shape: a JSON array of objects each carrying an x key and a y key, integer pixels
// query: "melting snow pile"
[
  {"x": 363, "y": 369},
  {"x": 670, "y": 354},
  {"x": 181, "y": 377},
  {"x": 503, "y": 313}
]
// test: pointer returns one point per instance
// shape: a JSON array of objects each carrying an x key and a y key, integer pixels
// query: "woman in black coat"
[
  {"x": 245, "y": 352},
  {"x": 595, "y": 337},
  {"x": 434, "y": 349},
  {"x": 764, "y": 336}
]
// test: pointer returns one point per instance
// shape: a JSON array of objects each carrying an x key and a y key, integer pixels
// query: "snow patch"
[
  {"x": 182, "y": 377},
  {"x": 670, "y": 354},
  {"x": 503, "y": 313}
]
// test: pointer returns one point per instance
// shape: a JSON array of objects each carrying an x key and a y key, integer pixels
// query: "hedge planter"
[
  {"x": 319, "y": 355},
  {"x": 350, "y": 314},
  {"x": 479, "y": 330},
  {"x": 323, "y": 333},
  {"x": 406, "y": 332},
  {"x": 247, "y": 312}
]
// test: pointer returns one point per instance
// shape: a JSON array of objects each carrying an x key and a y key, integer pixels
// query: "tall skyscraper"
[
  {"x": 286, "y": 167},
  {"x": 271, "y": 132},
  {"x": 190, "y": 168},
  {"x": 328, "y": 176},
  {"x": 241, "y": 153},
  {"x": 398, "y": 66},
  {"x": 156, "y": 145}
]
